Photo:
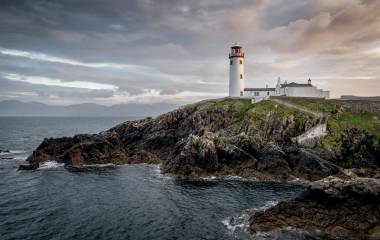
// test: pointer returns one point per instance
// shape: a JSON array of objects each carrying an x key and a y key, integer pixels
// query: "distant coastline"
[
  {"x": 13, "y": 108},
  {"x": 351, "y": 97}
]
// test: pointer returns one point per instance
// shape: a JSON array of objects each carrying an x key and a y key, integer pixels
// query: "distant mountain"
[
  {"x": 350, "y": 97},
  {"x": 17, "y": 108}
]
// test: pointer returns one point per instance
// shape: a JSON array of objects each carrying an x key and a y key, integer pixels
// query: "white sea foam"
[
  {"x": 241, "y": 222},
  {"x": 227, "y": 178},
  {"x": 267, "y": 205},
  {"x": 233, "y": 177},
  {"x": 102, "y": 165},
  {"x": 11, "y": 152},
  {"x": 20, "y": 157},
  {"x": 209, "y": 178},
  {"x": 300, "y": 181},
  {"x": 50, "y": 164},
  {"x": 17, "y": 151},
  {"x": 230, "y": 226},
  {"x": 157, "y": 172}
]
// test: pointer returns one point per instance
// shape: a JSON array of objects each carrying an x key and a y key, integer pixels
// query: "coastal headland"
[{"x": 279, "y": 139}]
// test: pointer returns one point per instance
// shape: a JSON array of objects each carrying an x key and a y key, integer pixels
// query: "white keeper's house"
[{"x": 291, "y": 89}]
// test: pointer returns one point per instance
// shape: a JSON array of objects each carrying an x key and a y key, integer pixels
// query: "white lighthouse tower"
[{"x": 236, "y": 57}]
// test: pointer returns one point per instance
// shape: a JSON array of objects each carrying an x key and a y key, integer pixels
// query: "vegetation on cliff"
[{"x": 353, "y": 129}]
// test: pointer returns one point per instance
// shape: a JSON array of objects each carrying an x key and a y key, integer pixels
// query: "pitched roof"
[
  {"x": 259, "y": 89},
  {"x": 293, "y": 84}
]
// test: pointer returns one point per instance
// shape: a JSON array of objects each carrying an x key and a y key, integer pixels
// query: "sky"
[{"x": 176, "y": 51}]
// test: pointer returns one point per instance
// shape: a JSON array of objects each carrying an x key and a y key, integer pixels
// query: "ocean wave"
[
  {"x": 209, "y": 178},
  {"x": 233, "y": 224},
  {"x": 240, "y": 223},
  {"x": 20, "y": 157},
  {"x": 100, "y": 165},
  {"x": 50, "y": 164},
  {"x": 300, "y": 181},
  {"x": 11, "y": 152},
  {"x": 227, "y": 178},
  {"x": 157, "y": 172},
  {"x": 92, "y": 168},
  {"x": 266, "y": 206}
]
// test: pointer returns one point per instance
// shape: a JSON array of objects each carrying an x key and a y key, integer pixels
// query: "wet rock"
[
  {"x": 334, "y": 206},
  {"x": 26, "y": 167}
]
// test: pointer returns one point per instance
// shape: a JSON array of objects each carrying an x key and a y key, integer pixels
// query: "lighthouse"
[{"x": 236, "y": 57}]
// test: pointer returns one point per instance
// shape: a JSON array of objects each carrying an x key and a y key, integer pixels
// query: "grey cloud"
[
  {"x": 170, "y": 91},
  {"x": 132, "y": 91},
  {"x": 352, "y": 25}
]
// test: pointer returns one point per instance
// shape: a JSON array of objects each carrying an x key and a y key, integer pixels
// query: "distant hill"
[
  {"x": 17, "y": 108},
  {"x": 349, "y": 97}
]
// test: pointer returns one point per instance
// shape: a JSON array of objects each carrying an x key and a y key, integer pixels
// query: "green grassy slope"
[
  {"x": 353, "y": 126},
  {"x": 257, "y": 119}
]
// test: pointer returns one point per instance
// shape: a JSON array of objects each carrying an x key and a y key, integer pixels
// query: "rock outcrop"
[
  {"x": 218, "y": 137},
  {"x": 334, "y": 206}
]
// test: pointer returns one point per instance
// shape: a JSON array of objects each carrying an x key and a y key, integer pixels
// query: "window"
[
  {"x": 241, "y": 76},
  {"x": 267, "y": 93},
  {"x": 230, "y": 62},
  {"x": 257, "y": 94},
  {"x": 241, "y": 61}
]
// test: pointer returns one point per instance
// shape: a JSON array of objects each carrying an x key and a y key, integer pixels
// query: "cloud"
[
  {"x": 50, "y": 58},
  {"x": 342, "y": 24},
  {"x": 170, "y": 91},
  {"x": 57, "y": 82},
  {"x": 177, "y": 50}
]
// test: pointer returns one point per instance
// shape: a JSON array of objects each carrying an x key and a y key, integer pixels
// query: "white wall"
[
  {"x": 236, "y": 83},
  {"x": 261, "y": 94},
  {"x": 304, "y": 92}
]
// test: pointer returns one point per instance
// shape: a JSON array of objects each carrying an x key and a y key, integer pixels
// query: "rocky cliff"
[
  {"x": 276, "y": 139},
  {"x": 230, "y": 137}
]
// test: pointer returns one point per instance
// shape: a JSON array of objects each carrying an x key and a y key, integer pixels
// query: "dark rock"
[
  {"x": 371, "y": 172},
  {"x": 332, "y": 205},
  {"x": 26, "y": 167},
  {"x": 308, "y": 165}
]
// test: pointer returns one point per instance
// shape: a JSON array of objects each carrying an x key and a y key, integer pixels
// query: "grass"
[{"x": 235, "y": 110}]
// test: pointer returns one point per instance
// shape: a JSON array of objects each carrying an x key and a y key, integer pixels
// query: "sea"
[{"x": 121, "y": 202}]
